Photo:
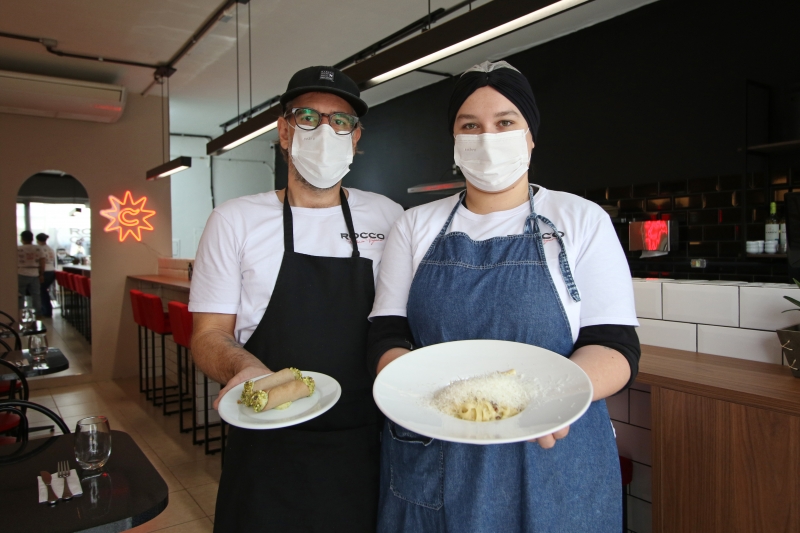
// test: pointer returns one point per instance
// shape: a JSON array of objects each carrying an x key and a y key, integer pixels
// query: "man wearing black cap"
[
  {"x": 30, "y": 270},
  {"x": 49, "y": 274},
  {"x": 286, "y": 279}
]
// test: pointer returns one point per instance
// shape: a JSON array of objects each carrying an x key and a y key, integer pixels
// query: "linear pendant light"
[
  {"x": 471, "y": 29},
  {"x": 508, "y": 27},
  {"x": 171, "y": 167}
]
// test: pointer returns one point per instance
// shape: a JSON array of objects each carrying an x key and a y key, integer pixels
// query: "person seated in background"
[
  {"x": 49, "y": 275},
  {"x": 30, "y": 270}
]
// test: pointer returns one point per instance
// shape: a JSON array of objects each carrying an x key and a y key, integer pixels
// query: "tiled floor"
[{"x": 192, "y": 476}]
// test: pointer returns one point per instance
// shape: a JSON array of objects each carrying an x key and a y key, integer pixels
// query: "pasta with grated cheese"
[{"x": 493, "y": 396}]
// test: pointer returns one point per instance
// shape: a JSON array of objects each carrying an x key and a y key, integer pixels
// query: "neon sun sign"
[{"x": 128, "y": 217}]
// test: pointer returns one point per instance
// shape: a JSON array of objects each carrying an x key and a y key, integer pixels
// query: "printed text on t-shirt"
[{"x": 365, "y": 237}]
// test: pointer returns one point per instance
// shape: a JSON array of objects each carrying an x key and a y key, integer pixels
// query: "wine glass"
[
  {"x": 27, "y": 316},
  {"x": 92, "y": 442},
  {"x": 37, "y": 346}
]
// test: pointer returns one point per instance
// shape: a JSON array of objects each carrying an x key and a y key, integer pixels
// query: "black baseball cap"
[
  {"x": 325, "y": 80},
  {"x": 42, "y": 237}
]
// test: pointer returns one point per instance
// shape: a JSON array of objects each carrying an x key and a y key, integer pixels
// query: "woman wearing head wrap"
[{"x": 510, "y": 261}]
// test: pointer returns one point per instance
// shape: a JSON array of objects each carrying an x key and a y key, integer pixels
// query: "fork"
[{"x": 64, "y": 472}]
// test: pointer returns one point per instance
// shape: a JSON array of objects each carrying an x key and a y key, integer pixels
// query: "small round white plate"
[
  {"x": 403, "y": 390},
  {"x": 326, "y": 394}
]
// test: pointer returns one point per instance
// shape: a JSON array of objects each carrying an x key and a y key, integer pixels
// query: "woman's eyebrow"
[
  {"x": 506, "y": 113},
  {"x": 469, "y": 117}
]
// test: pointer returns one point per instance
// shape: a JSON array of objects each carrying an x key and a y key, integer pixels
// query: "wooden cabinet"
[{"x": 726, "y": 444}]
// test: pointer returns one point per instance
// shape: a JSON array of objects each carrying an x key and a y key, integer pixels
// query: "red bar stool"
[
  {"x": 60, "y": 292},
  {"x": 182, "y": 320},
  {"x": 158, "y": 322},
  {"x": 138, "y": 317},
  {"x": 69, "y": 296},
  {"x": 86, "y": 285},
  {"x": 182, "y": 335},
  {"x": 80, "y": 306}
]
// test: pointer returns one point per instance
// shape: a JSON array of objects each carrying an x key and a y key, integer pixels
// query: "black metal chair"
[
  {"x": 17, "y": 387},
  {"x": 12, "y": 421},
  {"x": 21, "y": 406},
  {"x": 8, "y": 332},
  {"x": 4, "y": 346},
  {"x": 11, "y": 388},
  {"x": 11, "y": 319}
]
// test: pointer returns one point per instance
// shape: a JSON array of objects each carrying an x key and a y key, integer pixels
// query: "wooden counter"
[
  {"x": 173, "y": 283},
  {"x": 726, "y": 443}
]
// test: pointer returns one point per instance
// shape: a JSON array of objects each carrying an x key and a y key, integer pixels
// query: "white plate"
[
  {"x": 403, "y": 388},
  {"x": 326, "y": 394}
]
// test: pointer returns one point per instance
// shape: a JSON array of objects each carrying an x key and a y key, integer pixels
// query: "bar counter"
[
  {"x": 725, "y": 438},
  {"x": 165, "y": 281}
]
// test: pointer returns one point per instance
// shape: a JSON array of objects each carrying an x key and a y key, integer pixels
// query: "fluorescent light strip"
[
  {"x": 171, "y": 172},
  {"x": 261, "y": 131},
  {"x": 488, "y": 35}
]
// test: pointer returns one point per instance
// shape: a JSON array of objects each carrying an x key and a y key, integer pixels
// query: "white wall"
[
  {"x": 108, "y": 159},
  {"x": 249, "y": 169}
]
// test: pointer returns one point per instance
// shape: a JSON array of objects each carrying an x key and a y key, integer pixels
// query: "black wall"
[{"x": 655, "y": 94}]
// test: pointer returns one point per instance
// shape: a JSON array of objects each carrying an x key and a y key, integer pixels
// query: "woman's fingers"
[
  {"x": 548, "y": 441},
  {"x": 561, "y": 433}
]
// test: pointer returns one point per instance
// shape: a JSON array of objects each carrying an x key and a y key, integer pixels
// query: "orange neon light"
[{"x": 127, "y": 216}]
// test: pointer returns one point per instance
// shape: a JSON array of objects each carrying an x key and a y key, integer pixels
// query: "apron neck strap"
[
  {"x": 348, "y": 219},
  {"x": 288, "y": 224}
]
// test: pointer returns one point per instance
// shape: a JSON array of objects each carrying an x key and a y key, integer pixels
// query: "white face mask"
[
  {"x": 321, "y": 156},
  {"x": 492, "y": 162}
]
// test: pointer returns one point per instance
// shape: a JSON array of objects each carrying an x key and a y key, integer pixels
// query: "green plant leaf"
[
  {"x": 795, "y": 302},
  {"x": 790, "y": 310},
  {"x": 796, "y": 282}
]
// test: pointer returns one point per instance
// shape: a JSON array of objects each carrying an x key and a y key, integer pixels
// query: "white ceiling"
[{"x": 287, "y": 35}]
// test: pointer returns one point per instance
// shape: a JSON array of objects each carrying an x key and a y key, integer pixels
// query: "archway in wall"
[{"x": 55, "y": 205}]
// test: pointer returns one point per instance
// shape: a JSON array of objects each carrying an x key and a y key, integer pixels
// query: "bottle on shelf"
[
  {"x": 772, "y": 227},
  {"x": 782, "y": 247}
]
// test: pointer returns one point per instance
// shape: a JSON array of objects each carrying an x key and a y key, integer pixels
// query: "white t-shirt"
[
  {"x": 241, "y": 250},
  {"x": 28, "y": 256},
  {"x": 593, "y": 250},
  {"x": 49, "y": 258}
]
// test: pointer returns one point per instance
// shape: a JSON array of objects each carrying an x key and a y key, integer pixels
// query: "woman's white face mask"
[
  {"x": 321, "y": 156},
  {"x": 492, "y": 162}
]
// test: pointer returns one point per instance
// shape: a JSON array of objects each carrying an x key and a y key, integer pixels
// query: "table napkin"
[{"x": 58, "y": 485}]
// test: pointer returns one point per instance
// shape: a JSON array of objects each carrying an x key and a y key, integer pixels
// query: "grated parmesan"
[{"x": 498, "y": 394}]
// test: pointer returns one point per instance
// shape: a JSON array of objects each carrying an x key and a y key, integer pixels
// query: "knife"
[{"x": 51, "y": 496}]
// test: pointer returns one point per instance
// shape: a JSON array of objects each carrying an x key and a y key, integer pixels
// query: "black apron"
[{"x": 321, "y": 475}]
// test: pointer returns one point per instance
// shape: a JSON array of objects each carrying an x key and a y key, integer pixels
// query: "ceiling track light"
[
  {"x": 473, "y": 28},
  {"x": 171, "y": 167},
  {"x": 481, "y": 25}
]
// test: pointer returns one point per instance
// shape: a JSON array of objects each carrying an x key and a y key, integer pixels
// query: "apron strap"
[
  {"x": 532, "y": 226},
  {"x": 349, "y": 221},
  {"x": 288, "y": 225},
  {"x": 446, "y": 226}
]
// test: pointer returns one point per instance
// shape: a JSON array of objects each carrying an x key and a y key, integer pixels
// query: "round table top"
[
  {"x": 127, "y": 492},
  {"x": 54, "y": 361}
]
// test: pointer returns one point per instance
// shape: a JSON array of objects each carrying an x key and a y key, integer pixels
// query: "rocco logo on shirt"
[
  {"x": 365, "y": 237},
  {"x": 548, "y": 237}
]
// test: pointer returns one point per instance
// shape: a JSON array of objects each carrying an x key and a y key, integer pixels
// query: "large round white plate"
[
  {"x": 326, "y": 394},
  {"x": 403, "y": 389}
]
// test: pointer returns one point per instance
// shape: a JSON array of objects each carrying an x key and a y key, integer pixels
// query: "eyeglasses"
[{"x": 310, "y": 119}]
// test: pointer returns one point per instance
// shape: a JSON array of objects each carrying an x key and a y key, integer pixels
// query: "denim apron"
[{"x": 499, "y": 289}]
